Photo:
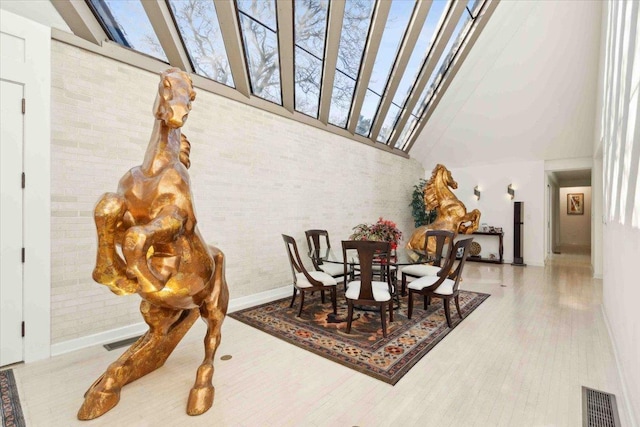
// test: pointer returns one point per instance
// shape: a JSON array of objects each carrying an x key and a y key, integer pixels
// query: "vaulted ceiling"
[{"x": 369, "y": 70}]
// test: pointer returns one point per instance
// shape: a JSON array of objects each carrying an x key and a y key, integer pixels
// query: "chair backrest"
[
  {"x": 296, "y": 263},
  {"x": 442, "y": 238},
  {"x": 463, "y": 244},
  {"x": 315, "y": 245},
  {"x": 369, "y": 252},
  {"x": 445, "y": 272}
]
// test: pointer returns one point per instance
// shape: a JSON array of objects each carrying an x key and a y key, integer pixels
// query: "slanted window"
[
  {"x": 310, "y": 26},
  {"x": 126, "y": 22},
  {"x": 355, "y": 26},
  {"x": 200, "y": 31},
  {"x": 394, "y": 31},
  {"x": 236, "y": 43},
  {"x": 259, "y": 34}
]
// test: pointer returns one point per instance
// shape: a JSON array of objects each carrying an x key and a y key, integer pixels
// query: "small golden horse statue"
[
  {"x": 166, "y": 261},
  {"x": 451, "y": 213}
]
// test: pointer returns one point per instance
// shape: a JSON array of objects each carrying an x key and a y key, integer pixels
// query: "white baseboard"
[
  {"x": 625, "y": 390},
  {"x": 140, "y": 328},
  {"x": 99, "y": 338}
]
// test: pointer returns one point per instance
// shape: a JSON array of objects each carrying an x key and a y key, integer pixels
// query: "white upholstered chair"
[
  {"x": 304, "y": 280},
  {"x": 444, "y": 286},
  {"x": 444, "y": 244},
  {"x": 366, "y": 291}
]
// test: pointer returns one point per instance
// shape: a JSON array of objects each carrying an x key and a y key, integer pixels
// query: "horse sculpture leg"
[
  {"x": 213, "y": 312},
  {"x": 110, "y": 269},
  {"x": 166, "y": 328}
]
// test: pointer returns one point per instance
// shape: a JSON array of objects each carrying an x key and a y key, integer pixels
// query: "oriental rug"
[
  {"x": 10, "y": 408},
  {"x": 388, "y": 359}
]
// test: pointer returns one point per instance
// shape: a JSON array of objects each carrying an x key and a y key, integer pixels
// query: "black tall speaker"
[{"x": 518, "y": 234}]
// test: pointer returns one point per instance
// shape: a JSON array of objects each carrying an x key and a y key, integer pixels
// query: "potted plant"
[
  {"x": 418, "y": 210},
  {"x": 383, "y": 231}
]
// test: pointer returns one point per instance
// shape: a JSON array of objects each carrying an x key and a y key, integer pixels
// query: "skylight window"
[
  {"x": 394, "y": 30},
  {"x": 259, "y": 33},
  {"x": 355, "y": 26},
  {"x": 127, "y": 24},
  {"x": 200, "y": 31},
  {"x": 310, "y": 26},
  {"x": 418, "y": 57},
  {"x": 382, "y": 97},
  {"x": 453, "y": 45}
]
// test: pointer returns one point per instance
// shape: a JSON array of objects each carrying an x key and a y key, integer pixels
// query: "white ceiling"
[
  {"x": 527, "y": 91},
  {"x": 41, "y": 11}
]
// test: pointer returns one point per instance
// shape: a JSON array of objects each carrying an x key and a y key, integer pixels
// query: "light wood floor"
[{"x": 520, "y": 359}]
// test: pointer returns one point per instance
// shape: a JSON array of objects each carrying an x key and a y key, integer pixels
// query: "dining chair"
[
  {"x": 442, "y": 238},
  {"x": 318, "y": 242},
  {"x": 444, "y": 285},
  {"x": 366, "y": 291},
  {"x": 304, "y": 280}
]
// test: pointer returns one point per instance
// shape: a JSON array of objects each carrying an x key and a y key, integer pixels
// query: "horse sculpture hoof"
[
  {"x": 200, "y": 400},
  {"x": 97, "y": 403}
]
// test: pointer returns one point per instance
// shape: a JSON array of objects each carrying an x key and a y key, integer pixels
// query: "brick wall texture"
[{"x": 255, "y": 175}]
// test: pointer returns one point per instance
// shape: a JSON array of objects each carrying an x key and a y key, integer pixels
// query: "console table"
[{"x": 500, "y": 248}]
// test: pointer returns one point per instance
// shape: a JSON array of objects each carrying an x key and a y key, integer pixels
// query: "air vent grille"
[
  {"x": 599, "y": 409},
  {"x": 121, "y": 343}
]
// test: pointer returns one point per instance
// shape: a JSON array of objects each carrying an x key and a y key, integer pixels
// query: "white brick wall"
[{"x": 254, "y": 176}]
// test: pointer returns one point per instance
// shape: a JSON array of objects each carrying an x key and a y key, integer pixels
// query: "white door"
[{"x": 11, "y": 146}]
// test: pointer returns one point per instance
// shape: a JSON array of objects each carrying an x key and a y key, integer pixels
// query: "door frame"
[{"x": 32, "y": 68}]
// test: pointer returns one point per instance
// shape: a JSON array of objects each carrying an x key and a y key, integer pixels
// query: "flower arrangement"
[{"x": 382, "y": 231}]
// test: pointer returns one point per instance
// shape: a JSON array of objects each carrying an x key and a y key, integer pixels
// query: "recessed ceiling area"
[{"x": 572, "y": 178}]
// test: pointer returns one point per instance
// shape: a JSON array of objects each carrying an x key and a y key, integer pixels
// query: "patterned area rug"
[
  {"x": 10, "y": 402},
  {"x": 365, "y": 349}
]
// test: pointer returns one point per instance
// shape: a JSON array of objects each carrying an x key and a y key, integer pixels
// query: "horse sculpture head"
[
  {"x": 440, "y": 180},
  {"x": 445, "y": 176},
  {"x": 175, "y": 94}
]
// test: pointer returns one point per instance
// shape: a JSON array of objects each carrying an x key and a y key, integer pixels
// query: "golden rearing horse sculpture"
[
  {"x": 165, "y": 259},
  {"x": 451, "y": 213}
]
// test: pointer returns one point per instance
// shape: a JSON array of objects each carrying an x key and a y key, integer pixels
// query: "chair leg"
[
  {"x": 334, "y": 301},
  {"x": 293, "y": 299},
  {"x": 447, "y": 311},
  {"x": 383, "y": 318},
  {"x": 391, "y": 309},
  {"x": 426, "y": 302},
  {"x": 410, "y": 309},
  {"x": 458, "y": 306},
  {"x": 349, "y": 315},
  {"x": 301, "y": 302},
  {"x": 322, "y": 296},
  {"x": 403, "y": 290}
]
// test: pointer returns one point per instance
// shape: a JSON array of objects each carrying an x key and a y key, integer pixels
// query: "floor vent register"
[{"x": 599, "y": 409}]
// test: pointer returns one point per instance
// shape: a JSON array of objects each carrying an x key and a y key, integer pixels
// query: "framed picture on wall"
[{"x": 575, "y": 204}]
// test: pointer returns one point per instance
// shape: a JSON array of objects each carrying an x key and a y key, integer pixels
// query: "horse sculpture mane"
[
  {"x": 151, "y": 218},
  {"x": 451, "y": 213}
]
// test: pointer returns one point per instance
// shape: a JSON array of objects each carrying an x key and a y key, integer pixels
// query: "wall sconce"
[
  {"x": 476, "y": 192},
  {"x": 511, "y": 191}
]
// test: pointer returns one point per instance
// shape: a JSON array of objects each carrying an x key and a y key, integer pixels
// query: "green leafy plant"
[{"x": 420, "y": 215}]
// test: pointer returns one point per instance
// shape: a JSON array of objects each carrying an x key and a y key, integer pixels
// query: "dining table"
[{"x": 399, "y": 257}]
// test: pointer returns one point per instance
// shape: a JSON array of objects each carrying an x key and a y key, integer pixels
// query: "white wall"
[
  {"x": 618, "y": 127},
  {"x": 527, "y": 90},
  {"x": 575, "y": 230},
  {"x": 496, "y": 205},
  {"x": 254, "y": 176}
]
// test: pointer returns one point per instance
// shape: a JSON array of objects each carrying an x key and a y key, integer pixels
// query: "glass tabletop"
[{"x": 403, "y": 256}]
